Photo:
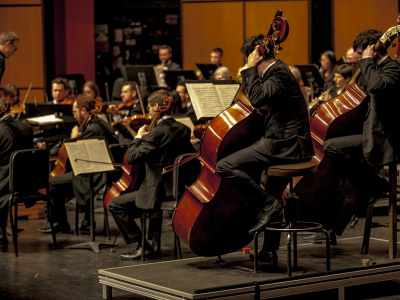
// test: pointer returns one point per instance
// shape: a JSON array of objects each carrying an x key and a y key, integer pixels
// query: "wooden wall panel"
[
  {"x": 20, "y": 2},
  {"x": 353, "y": 16},
  {"x": 295, "y": 48},
  {"x": 26, "y": 65},
  {"x": 209, "y": 25}
]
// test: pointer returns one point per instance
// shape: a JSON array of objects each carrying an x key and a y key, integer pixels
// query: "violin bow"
[
  {"x": 108, "y": 100},
  {"x": 23, "y": 103}
]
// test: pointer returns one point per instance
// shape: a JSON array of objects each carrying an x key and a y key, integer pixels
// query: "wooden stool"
[
  {"x": 392, "y": 216},
  {"x": 291, "y": 224}
]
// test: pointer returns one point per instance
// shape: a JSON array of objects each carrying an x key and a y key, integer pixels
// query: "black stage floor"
[{"x": 40, "y": 272}]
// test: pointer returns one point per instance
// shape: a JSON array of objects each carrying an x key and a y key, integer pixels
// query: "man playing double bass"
[
  {"x": 274, "y": 91},
  {"x": 358, "y": 156}
]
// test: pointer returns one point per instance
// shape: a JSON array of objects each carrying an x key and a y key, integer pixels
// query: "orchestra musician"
[
  {"x": 156, "y": 149},
  {"x": 11, "y": 94},
  {"x": 286, "y": 139},
  {"x": 130, "y": 106},
  {"x": 9, "y": 42},
  {"x": 91, "y": 89},
  {"x": 59, "y": 91},
  {"x": 14, "y": 135},
  {"x": 185, "y": 100},
  {"x": 68, "y": 185},
  {"x": 166, "y": 63},
  {"x": 357, "y": 157}
]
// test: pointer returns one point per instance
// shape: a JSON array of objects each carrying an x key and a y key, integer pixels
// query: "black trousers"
[
  {"x": 243, "y": 170},
  {"x": 347, "y": 157},
  {"x": 124, "y": 211}
]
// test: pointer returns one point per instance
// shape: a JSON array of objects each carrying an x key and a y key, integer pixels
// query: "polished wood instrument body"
[
  {"x": 211, "y": 217},
  {"x": 136, "y": 121}
]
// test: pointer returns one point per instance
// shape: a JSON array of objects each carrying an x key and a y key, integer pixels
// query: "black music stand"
[
  {"x": 144, "y": 75},
  {"x": 207, "y": 70},
  {"x": 90, "y": 156},
  {"x": 311, "y": 77},
  {"x": 173, "y": 77}
]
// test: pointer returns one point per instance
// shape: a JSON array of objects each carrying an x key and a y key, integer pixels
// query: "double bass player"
[
  {"x": 357, "y": 157},
  {"x": 274, "y": 91}
]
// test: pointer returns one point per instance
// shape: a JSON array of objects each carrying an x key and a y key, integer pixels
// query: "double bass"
[
  {"x": 211, "y": 217},
  {"x": 323, "y": 193}
]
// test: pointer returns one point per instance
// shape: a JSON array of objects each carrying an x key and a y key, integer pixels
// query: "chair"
[
  {"x": 116, "y": 90},
  {"x": 392, "y": 216},
  {"x": 291, "y": 225},
  {"x": 184, "y": 175},
  {"x": 29, "y": 172}
]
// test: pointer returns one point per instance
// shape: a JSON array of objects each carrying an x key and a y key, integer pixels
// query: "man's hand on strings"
[{"x": 75, "y": 133}]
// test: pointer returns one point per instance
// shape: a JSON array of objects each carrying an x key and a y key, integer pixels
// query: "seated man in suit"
[
  {"x": 68, "y": 185},
  {"x": 154, "y": 149},
  {"x": 166, "y": 63},
  {"x": 14, "y": 135}
]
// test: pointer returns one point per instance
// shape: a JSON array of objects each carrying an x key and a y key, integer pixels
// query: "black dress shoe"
[
  {"x": 57, "y": 228},
  {"x": 319, "y": 238},
  {"x": 269, "y": 257},
  {"x": 381, "y": 188},
  {"x": 137, "y": 254},
  {"x": 266, "y": 214},
  {"x": 85, "y": 226}
]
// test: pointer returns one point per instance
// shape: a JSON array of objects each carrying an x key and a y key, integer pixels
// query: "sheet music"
[
  {"x": 210, "y": 99},
  {"x": 205, "y": 99},
  {"x": 186, "y": 121},
  {"x": 43, "y": 120},
  {"x": 89, "y": 156},
  {"x": 227, "y": 92}
]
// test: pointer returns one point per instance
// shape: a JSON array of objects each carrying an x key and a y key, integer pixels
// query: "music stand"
[
  {"x": 311, "y": 77},
  {"x": 144, "y": 75},
  {"x": 43, "y": 109},
  {"x": 90, "y": 156},
  {"x": 207, "y": 70},
  {"x": 173, "y": 77}
]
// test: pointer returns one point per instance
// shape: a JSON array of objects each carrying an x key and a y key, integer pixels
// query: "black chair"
[
  {"x": 184, "y": 175},
  {"x": 392, "y": 216},
  {"x": 29, "y": 173}
]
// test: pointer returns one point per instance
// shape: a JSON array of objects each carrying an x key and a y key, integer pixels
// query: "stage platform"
[{"x": 203, "y": 278}]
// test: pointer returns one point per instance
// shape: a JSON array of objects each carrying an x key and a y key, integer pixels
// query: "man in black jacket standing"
[
  {"x": 9, "y": 42},
  {"x": 274, "y": 91}
]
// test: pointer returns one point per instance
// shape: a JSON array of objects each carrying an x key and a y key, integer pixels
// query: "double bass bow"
[{"x": 211, "y": 217}]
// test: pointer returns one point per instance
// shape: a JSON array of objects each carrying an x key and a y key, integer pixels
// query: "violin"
[
  {"x": 122, "y": 105},
  {"x": 133, "y": 174},
  {"x": 198, "y": 130},
  {"x": 136, "y": 121}
]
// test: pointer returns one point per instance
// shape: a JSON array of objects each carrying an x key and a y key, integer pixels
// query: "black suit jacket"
[
  {"x": 281, "y": 102},
  {"x": 96, "y": 127},
  {"x": 160, "y": 148},
  {"x": 14, "y": 135},
  {"x": 381, "y": 134}
]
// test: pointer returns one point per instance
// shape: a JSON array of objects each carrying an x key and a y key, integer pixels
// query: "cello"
[
  {"x": 211, "y": 217},
  {"x": 133, "y": 174},
  {"x": 342, "y": 115}
]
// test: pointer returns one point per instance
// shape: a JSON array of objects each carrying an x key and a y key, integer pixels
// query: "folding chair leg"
[
  {"x": 106, "y": 224},
  {"x": 13, "y": 223}
]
